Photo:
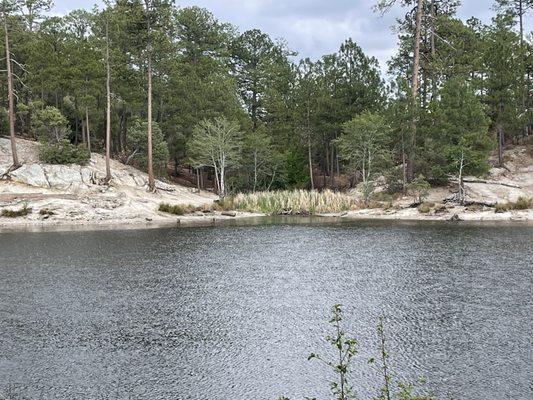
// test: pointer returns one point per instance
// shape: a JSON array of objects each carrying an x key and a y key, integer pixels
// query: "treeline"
[{"x": 244, "y": 115}]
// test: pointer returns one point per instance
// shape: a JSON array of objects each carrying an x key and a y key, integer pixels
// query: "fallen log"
[
  {"x": 491, "y": 183},
  {"x": 35, "y": 196}
]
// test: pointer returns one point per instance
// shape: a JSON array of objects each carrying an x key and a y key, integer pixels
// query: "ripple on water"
[{"x": 233, "y": 312}]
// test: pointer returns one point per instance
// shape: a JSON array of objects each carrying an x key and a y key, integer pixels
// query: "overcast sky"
[{"x": 312, "y": 27}]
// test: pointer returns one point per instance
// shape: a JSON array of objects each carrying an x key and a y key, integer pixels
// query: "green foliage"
[
  {"x": 63, "y": 152},
  {"x": 363, "y": 144},
  {"x": 345, "y": 349},
  {"x": 289, "y": 112},
  {"x": 138, "y": 144},
  {"x": 462, "y": 127},
  {"x": 49, "y": 124},
  {"x": 216, "y": 143},
  {"x": 419, "y": 188},
  {"x": 25, "y": 210},
  {"x": 295, "y": 173}
]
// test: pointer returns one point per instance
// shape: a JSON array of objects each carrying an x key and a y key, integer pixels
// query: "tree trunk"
[
  {"x": 108, "y": 110},
  {"x": 255, "y": 170},
  {"x": 11, "y": 106},
  {"x": 414, "y": 89},
  {"x": 461, "y": 182},
  {"x": 332, "y": 167},
  {"x": 151, "y": 179},
  {"x": 87, "y": 129},
  {"x": 501, "y": 139},
  {"x": 310, "y": 156},
  {"x": 433, "y": 50}
]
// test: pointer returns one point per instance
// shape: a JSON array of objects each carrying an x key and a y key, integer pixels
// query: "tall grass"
[{"x": 292, "y": 202}]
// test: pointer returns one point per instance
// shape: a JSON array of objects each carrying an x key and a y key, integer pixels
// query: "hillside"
[{"x": 73, "y": 193}]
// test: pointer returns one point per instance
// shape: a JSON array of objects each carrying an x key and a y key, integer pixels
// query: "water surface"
[{"x": 231, "y": 312}]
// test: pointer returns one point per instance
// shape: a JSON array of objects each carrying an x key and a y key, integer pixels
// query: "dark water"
[{"x": 231, "y": 312}]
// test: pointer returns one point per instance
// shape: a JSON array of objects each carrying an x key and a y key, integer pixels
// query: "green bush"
[
  {"x": 393, "y": 180},
  {"x": 64, "y": 152},
  {"x": 16, "y": 213},
  {"x": 523, "y": 203},
  {"x": 176, "y": 209},
  {"x": 424, "y": 208},
  {"x": 419, "y": 188}
]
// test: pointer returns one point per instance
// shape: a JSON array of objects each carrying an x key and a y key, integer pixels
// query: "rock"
[
  {"x": 30, "y": 174},
  {"x": 229, "y": 213},
  {"x": 455, "y": 217},
  {"x": 441, "y": 210},
  {"x": 63, "y": 176}
]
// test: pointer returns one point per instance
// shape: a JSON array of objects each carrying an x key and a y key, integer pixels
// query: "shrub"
[
  {"x": 49, "y": 124},
  {"x": 394, "y": 180},
  {"x": 419, "y": 188},
  {"x": 523, "y": 203},
  {"x": 424, "y": 208},
  {"x": 16, "y": 213},
  {"x": 64, "y": 152},
  {"x": 138, "y": 143},
  {"x": 176, "y": 209},
  {"x": 501, "y": 207}
]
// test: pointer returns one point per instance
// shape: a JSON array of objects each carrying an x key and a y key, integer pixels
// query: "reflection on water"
[{"x": 231, "y": 312}]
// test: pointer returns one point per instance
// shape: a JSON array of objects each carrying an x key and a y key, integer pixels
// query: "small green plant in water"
[{"x": 346, "y": 349}]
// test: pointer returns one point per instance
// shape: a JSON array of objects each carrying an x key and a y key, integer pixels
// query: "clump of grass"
[
  {"x": 523, "y": 203},
  {"x": 295, "y": 202},
  {"x": 474, "y": 207},
  {"x": 176, "y": 209},
  {"x": 502, "y": 207},
  {"x": 425, "y": 207},
  {"x": 16, "y": 213}
]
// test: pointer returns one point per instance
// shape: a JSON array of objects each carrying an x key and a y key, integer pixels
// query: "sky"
[{"x": 313, "y": 27}]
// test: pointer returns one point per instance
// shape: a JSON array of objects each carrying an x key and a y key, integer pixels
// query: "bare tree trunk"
[
  {"x": 255, "y": 170},
  {"x": 87, "y": 129},
  {"x": 151, "y": 179},
  {"x": 414, "y": 89},
  {"x": 501, "y": 139},
  {"x": 433, "y": 49},
  {"x": 461, "y": 182},
  {"x": 309, "y": 152},
  {"x": 198, "y": 178},
  {"x": 310, "y": 162},
  {"x": 108, "y": 109},
  {"x": 11, "y": 107},
  {"x": 332, "y": 167}
]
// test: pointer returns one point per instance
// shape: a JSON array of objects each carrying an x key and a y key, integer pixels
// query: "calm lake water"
[{"x": 232, "y": 312}]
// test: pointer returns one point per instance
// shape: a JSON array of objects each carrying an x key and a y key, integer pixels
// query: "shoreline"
[{"x": 480, "y": 218}]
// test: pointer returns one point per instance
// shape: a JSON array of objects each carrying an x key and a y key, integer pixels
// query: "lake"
[{"x": 233, "y": 311}]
